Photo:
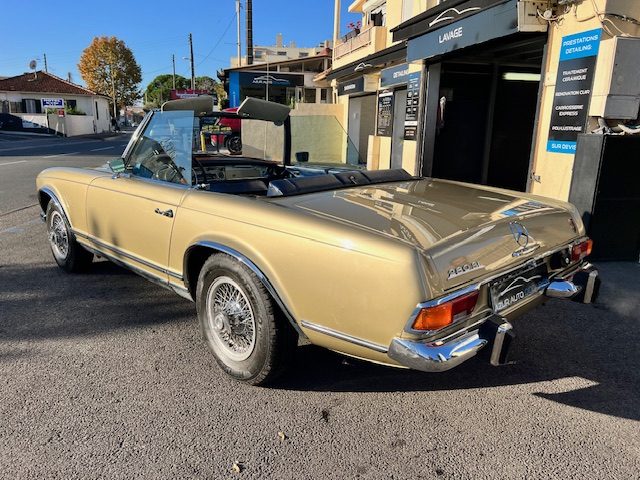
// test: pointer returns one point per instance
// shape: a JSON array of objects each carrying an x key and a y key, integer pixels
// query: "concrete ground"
[{"x": 105, "y": 375}]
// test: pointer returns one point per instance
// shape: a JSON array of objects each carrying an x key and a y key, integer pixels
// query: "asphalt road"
[
  {"x": 22, "y": 158},
  {"x": 105, "y": 375}
]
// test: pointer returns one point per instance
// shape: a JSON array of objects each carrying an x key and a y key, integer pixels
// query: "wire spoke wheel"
[
  {"x": 231, "y": 319},
  {"x": 58, "y": 235}
]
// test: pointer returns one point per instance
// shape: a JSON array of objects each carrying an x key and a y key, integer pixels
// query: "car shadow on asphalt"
[
  {"x": 593, "y": 346},
  {"x": 559, "y": 340},
  {"x": 31, "y": 297}
]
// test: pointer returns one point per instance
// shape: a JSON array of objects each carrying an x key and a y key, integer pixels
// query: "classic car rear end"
[
  {"x": 485, "y": 255},
  {"x": 379, "y": 265}
]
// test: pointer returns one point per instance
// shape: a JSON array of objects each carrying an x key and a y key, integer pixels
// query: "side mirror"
[{"x": 116, "y": 165}]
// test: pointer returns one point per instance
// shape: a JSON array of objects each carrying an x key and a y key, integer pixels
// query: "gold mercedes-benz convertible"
[{"x": 379, "y": 265}]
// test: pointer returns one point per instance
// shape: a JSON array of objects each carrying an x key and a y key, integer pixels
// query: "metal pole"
[
  {"x": 249, "y": 17},
  {"x": 46, "y": 69},
  {"x": 336, "y": 23},
  {"x": 173, "y": 61},
  {"x": 238, "y": 33},
  {"x": 193, "y": 69},
  {"x": 113, "y": 93}
]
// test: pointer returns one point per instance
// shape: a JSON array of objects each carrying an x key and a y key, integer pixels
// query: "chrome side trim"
[
  {"x": 143, "y": 273},
  {"x": 252, "y": 266},
  {"x": 122, "y": 253},
  {"x": 343, "y": 336},
  {"x": 183, "y": 292}
]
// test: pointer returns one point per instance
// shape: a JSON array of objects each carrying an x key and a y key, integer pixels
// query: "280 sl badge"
[{"x": 462, "y": 269}]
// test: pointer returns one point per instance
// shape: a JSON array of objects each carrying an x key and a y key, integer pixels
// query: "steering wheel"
[
  {"x": 201, "y": 167},
  {"x": 168, "y": 171}
]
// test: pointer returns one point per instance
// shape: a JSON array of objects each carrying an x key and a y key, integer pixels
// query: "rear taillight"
[
  {"x": 438, "y": 316},
  {"x": 581, "y": 250}
]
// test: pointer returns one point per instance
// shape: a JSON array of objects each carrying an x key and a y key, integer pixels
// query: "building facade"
[
  {"x": 287, "y": 82},
  {"x": 47, "y": 103},
  {"x": 516, "y": 94},
  {"x": 280, "y": 52}
]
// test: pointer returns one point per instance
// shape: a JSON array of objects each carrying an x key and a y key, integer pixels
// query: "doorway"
[
  {"x": 481, "y": 119},
  {"x": 361, "y": 124}
]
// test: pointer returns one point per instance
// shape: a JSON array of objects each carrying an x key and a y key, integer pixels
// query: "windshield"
[
  {"x": 315, "y": 139},
  {"x": 180, "y": 147}
]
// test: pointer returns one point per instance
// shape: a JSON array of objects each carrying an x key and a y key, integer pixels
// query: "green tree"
[
  {"x": 209, "y": 84},
  {"x": 159, "y": 89},
  {"x": 108, "y": 66}
]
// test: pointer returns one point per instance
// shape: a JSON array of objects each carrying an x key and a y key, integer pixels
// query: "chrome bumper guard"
[
  {"x": 583, "y": 286},
  {"x": 441, "y": 356},
  {"x": 580, "y": 286}
]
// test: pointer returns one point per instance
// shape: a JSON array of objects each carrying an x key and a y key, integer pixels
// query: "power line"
[{"x": 233, "y": 17}]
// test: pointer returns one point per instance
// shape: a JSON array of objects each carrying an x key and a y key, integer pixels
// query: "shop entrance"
[
  {"x": 480, "y": 112},
  {"x": 362, "y": 122},
  {"x": 485, "y": 124}
]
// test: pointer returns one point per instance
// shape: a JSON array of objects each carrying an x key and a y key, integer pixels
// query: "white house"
[{"x": 31, "y": 97}]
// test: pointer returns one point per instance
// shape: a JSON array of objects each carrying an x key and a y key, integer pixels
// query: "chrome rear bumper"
[
  {"x": 581, "y": 286},
  {"x": 441, "y": 356}
]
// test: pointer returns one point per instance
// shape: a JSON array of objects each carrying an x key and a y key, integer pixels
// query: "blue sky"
[{"x": 153, "y": 30}]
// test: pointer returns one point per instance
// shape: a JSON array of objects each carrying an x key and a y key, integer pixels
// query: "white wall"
[{"x": 77, "y": 125}]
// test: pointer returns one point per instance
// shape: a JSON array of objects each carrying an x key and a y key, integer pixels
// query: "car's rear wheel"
[
  {"x": 67, "y": 252},
  {"x": 246, "y": 332}
]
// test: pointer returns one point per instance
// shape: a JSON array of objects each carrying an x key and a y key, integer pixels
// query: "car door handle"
[{"x": 166, "y": 213}]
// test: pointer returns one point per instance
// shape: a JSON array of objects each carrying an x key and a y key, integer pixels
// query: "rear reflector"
[
  {"x": 581, "y": 250},
  {"x": 439, "y": 316}
]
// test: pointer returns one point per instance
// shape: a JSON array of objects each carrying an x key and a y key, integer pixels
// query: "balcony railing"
[{"x": 361, "y": 40}]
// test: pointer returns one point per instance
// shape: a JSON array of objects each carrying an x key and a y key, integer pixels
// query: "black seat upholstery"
[
  {"x": 300, "y": 185},
  {"x": 380, "y": 176},
  {"x": 352, "y": 178},
  {"x": 247, "y": 187}
]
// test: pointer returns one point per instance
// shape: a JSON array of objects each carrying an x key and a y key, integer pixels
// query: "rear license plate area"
[{"x": 517, "y": 287}]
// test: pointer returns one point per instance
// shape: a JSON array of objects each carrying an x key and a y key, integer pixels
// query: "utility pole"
[
  {"x": 113, "y": 93},
  {"x": 238, "y": 32},
  {"x": 193, "y": 70},
  {"x": 336, "y": 23},
  {"x": 173, "y": 61},
  {"x": 46, "y": 69},
  {"x": 249, "y": 16}
]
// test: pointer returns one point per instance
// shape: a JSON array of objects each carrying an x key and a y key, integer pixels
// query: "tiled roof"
[{"x": 42, "y": 82}]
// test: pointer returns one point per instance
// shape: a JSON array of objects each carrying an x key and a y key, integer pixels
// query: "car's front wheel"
[
  {"x": 246, "y": 332},
  {"x": 67, "y": 252}
]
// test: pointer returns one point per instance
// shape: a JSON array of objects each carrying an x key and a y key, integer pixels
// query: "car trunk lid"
[{"x": 463, "y": 231}]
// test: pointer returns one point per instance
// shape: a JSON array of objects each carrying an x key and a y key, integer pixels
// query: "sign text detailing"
[{"x": 573, "y": 90}]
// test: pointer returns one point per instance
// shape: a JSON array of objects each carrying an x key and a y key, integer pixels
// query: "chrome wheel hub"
[
  {"x": 58, "y": 235},
  {"x": 231, "y": 319}
]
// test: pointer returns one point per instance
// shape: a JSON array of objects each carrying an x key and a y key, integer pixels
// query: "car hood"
[{"x": 458, "y": 227}]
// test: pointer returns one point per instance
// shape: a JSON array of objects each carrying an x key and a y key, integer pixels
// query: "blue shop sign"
[{"x": 394, "y": 75}]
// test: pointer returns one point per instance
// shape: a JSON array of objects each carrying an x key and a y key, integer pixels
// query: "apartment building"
[{"x": 279, "y": 52}]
